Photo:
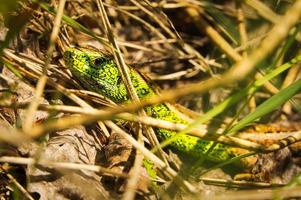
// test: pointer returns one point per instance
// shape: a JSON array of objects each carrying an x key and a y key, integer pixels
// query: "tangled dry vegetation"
[{"x": 231, "y": 66}]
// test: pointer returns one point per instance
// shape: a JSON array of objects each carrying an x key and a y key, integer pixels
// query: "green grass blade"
[
  {"x": 268, "y": 106},
  {"x": 242, "y": 93},
  {"x": 235, "y": 98}
]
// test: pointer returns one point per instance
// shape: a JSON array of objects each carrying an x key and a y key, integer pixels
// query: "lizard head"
[
  {"x": 96, "y": 71},
  {"x": 83, "y": 60}
]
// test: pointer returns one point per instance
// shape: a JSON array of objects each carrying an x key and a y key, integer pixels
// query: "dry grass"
[{"x": 233, "y": 63}]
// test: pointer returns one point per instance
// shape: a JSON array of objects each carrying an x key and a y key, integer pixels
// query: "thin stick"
[
  {"x": 237, "y": 73},
  {"x": 158, "y": 162},
  {"x": 60, "y": 165},
  {"x": 243, "y": 41},
  {"x": 203, "y": 65},
  {"x": 239, "y": 184},
  {"x": 264, "y": 11},
  {"x": 290, "y": 78},
  {"x": 123, "y": 69},
  {"x": 202, "y": 25},
  {"x": 200, "y": 131},
  {"x": 125, "y": 76},
  {"x": 135, "y": 173},
  {"x": 19, "y": 186},
  {"x": 282, "y": 193},
  {"x": 27, "y": 124}
]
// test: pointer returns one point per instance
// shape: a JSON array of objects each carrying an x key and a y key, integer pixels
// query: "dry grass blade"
[
  {"x": 20, "y": 187},
  {"x": 237, "y": 73},
  {"x": 256, "y": 195},
  {"x": 59, "y": 165},
  {"x": 233, "y": 67},
  {"x": 239, "y": 184},
  {"x": 222, "y": 43},
  {"x": 125, "y": 75},
  {"x": 162, "y": 166},
  {"x": 43, "y": 79},
  {"x": 135, "y": 173},
  {"x": 201, "y": 131},
  {"x": 124, "y": 70},
  {"x": 264, "y": 11},
  {"x": 243, "y": 42},
  {"x": 187, "y": 48}
]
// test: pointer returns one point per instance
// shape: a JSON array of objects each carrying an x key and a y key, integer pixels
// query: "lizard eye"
[{"x": 99, "y": 61}]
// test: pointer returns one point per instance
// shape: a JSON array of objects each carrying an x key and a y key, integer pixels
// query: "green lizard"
[{"x": 98, "y": 72}]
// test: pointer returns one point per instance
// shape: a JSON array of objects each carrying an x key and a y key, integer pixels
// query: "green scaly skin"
[{"x": 99, "y": 73}]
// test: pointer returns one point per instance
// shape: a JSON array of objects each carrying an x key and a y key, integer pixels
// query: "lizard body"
[{"x": 98, "y": 72}]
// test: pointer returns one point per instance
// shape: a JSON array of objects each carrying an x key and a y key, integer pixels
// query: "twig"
[
  {"x": 242, "y": 27},
  {"x": 238, "y": 184},
  {"x": 242, "y": 140},
  {"x": 222, "y": 43},
  {"x": 19, "y": 186},
  {"x": 243, "y": 42},
  {"x": 60, "y": 165},
  {"x": 158, "y": 162},
  {"x": 237, "y": 73},
  {"x": 59, "y": 87},
  {"x": 290, "y": 78},
  {"x": 264, "y": 11},
  {"x": 281, "y": 193},
  {"x": 135, "y": 173},
  {"x": 124, "y": 71},
  {"x": 27, "y": 124},
  {"x": 186, "y": 47},
  {"x": 125, "y": 76},
  {"x": 139, "y": 19},
  {"x": 153, "y": 16},
  {"x": 155, "y": 5}
]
